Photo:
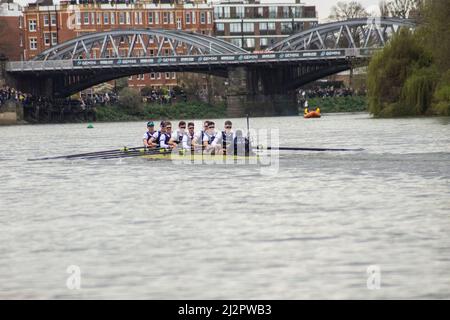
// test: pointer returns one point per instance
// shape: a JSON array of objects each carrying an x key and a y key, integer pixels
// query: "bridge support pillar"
[{"x": 259, "y": 92}]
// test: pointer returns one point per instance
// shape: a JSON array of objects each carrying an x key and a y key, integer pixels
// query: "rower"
[
  {"x": 177, "y": 136},
  {"x": 189, "y": 137},
  {"x": 154, "y": 141},
  {"x": 241, "y": 144},
  {"x": 165, "y": 137},
  {"x": 148, "y": 135},
  {"x": 209, "y": 136},
  {"x": 223, "y": 140},
  {"x": 198, "y": 139}
]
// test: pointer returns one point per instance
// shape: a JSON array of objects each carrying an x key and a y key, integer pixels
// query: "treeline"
[{"x": 411, "y": 75}]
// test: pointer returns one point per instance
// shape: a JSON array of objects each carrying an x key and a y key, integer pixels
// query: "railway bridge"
[{"x": 263, "y": 83}]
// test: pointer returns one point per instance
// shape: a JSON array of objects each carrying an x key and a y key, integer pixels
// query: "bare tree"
[
  {"x": 347, "y": 10},
  {"x": 384, "y": 8},
  {"x": 401, "y": 8}
]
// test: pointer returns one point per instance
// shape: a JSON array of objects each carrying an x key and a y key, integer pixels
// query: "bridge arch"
[
  {"x": 141, "y": 42},
  {"x": 349, "y": 34}
]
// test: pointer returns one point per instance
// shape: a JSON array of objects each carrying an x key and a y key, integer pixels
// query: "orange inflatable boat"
[{"x": 311, "y": 114}]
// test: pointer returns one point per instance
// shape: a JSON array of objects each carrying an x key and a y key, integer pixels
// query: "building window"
[
  {"x": 130, "y": 78},
  {"x": 167, "y": 75},
  {"x": 174, "y": 75},
  {"x": 32, "y": 25},
  {"x": 235, "y": 27},
  {"x": 150, "y": 18},
  {"x": 272, "y": 12},
  {"x": 105, "y": 18},
  {"x": 54, "y": 39},
  {"x": 260, "y": 12},
  {"x": 286, "y": 27},
  {"x": 86, "y": 18},
  {"x": 226, "y": 12},
  {"x": 240, "y": 12},
  {"x": 121, "y": 17},
  {"x": 209, "y": 17},
  {"x": 165, "y": 17},
  {"x": 263, "y": 42},
  {"x": 99, "y": 19},
  {"x": 46, "y": 39},
  {"x": 33, "y": 43},
  {"x": 298, "y": 12},
  {"x": 156, "y": 17},
  {"x": 21, "y": 22},
  {"x": 250, "y": 43},
  {"x": 220, "y": 27},
  {"x": 248, "y": 27},
  {"x": 218, "y": 12},
  {"x": 158, "y": 75},
  {"x": 128, "y": 16},
  {"x": 179, "y": 24},
  {"x": 202, "y": 18},
  {"x": 138, "y": 17},
  {"x": 140, "y": 77},
  {"x": 194, "y": 17},
  {"x": 188, "y": 18},
  {"x": 271, "y": 26},
  {"x": 152, "y": 76},
  {"x": 171, "y": 18},
  {"x": 53, "y": 19},
  {"x": 237, "y": 42},
  {"x": 286, "y": 11},
  {"x": 262, "y": 26},
  {"x": 46, "y": 21},
  {"x": 113, "y": 18}
]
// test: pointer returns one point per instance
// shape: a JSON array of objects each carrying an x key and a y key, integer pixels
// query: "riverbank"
[
  {"x": 181, "y": 110},
  {"x": 339, "y": 104}
]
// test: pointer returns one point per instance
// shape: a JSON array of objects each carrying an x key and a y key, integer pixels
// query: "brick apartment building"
[
  {"x": 253, "y": 25},
  {"x": 49, "y": 25},
  {"x": 11, "y": 31}
]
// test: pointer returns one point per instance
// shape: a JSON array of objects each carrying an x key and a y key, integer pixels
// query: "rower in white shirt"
[
  {"x": 177, "y": 137},
  {"x": 154, "y": 140},
  {"x": 188, "y": 138},
  {"x": 198, "y": 138},
  {"x": 224, "y": 139},
  {"x": 149, "y": 134},
  {"x": 165, "y": 137},
  {"x": 209, "y": 136}
]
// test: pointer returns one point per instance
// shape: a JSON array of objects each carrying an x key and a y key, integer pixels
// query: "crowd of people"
[
  {"x": 207, "y": 140},
  {"x": 161, "y": 96},
  {"x": 8, "y": 93},
  {"x": 91, "y": 100},
  {"x": 330, "y": 91},
  {"x": 44, "y": 109}
]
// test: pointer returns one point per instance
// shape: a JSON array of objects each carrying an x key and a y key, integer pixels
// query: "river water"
[{"x": 357, "y": 225}]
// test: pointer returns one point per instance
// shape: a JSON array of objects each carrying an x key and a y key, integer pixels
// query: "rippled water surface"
[{"x": 153, "y": 229}]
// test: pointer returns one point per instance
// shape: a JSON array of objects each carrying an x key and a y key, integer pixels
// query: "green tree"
[
  {"x": 390, "y": 69},
  {"x": 131, "y": 101}
]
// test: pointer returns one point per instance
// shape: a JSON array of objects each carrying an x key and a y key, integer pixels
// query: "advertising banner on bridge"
[{"x": 213, "y": 59}]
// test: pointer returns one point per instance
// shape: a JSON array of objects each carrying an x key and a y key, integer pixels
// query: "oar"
[
  {"x": 129, "y": 155},
  {"x": 307, "y": 149},
  {"x": 80, "y": 155}
]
